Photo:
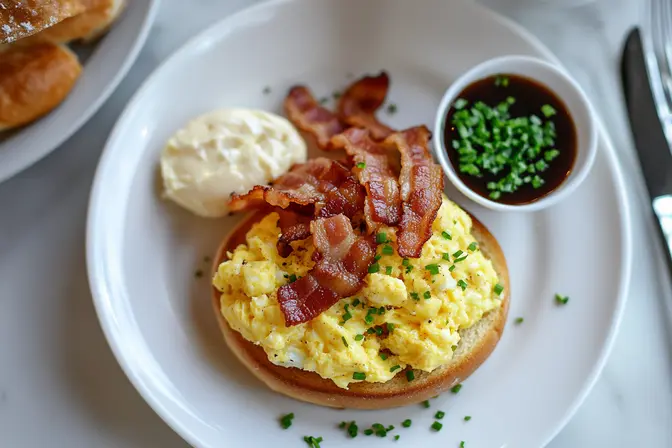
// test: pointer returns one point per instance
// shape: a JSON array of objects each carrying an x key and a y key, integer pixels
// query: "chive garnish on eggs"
[
  {"x": 359, "y": 376},
  {"x": 498, "y": 289},
  {"x": 381, "y": 238}
]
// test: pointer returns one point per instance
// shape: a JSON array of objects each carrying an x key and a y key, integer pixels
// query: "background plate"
[
  {"x": 106, "y": 65},
  {"x": 143, "y": 253}
]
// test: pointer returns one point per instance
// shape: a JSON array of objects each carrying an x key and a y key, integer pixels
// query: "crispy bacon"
[
  {"x": 359, "y": 103},
  {"x": 306, "y": 114},
  {"x": 383, "y": 204},
  {"x": 293, "y": 227},
  {"x": 321, "y": 186},
  {"x": 343, "y": 260},
  {"x": 421, "y": 182}
]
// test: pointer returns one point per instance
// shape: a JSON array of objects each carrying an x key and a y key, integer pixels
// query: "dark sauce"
[{"x": 530, "y": 96}]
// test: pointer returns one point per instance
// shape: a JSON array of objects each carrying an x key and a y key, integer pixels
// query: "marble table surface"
[{"x": 60, "y": 386}]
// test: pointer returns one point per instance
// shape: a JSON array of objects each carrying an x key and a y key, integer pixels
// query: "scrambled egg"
[{"x": 408, "y": 313}]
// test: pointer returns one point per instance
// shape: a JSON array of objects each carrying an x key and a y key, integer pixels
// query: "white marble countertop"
[{"x": 59, "y": 383}]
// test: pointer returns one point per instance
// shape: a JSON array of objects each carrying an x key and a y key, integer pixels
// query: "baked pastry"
[
  {"x": 23, "y": 18},
  {"x": 34, "y": 80},
  {"x": 93, "y": 22}
]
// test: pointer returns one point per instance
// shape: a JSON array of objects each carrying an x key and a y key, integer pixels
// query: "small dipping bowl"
[{"x": 546, "y": 77}]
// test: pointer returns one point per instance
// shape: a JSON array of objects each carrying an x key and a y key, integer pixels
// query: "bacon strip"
[
  {"x": 306, "y": 114},
  {"x": 383, "y": 204},
  {"x": 343, "y": 260},
  {"x": 321, "y": 186},
  {"x": 421, "y": 182},
  {"x": 359, "y": 103},
  {"x": 293, "y": 227}
]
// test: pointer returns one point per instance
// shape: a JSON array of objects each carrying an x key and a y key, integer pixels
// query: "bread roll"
[
  {"x": 97, "y": 17},
  {"x": 23, "y": 18},
  {"x": 476, "y": 344},
  {"x": 33, "y": 81}
]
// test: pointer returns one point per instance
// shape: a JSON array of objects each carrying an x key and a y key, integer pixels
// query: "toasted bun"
[
  {"x": 476, "y": 345},
  {"x": 94, "y": 21},
  {"x": 23, "y": 18},
  {"x": 33, "y": 81}
]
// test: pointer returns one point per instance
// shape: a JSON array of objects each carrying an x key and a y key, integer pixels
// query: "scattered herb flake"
[
  {"x": 361, "y": 376},
  {"x": 388, "y": 270},
  {"x": 467, "y": 418},
  {"x": 313, "y": 442},
  {"x": 561, "y": 300},
  {"x": 388, "y": 250},
  {"x": 427, "y": 295},
  {"x": 344, "y": 341},
  {"x": 456, "y": 388},
  {"x": 410, "y": 376},
  {"x": 361, "y": 165},
  {"x": 472, "y": 247},
  {"x": 519, "y": 320},
  {"x": 436, "y": 426},
  {"x": 432, "y": 268},
  {"x": 286, "y": 420},
  {"x": 446, "y": 235},
  {"x": 498, "y": 289},
  {"x": 462, "y": 284},
  {"x": 407, "y": 423},
  {"x": 391, "y": 108},
  {"x": 375, "y": 267},
  {"x": 393, "y": 368},
  {"x": 381, "y": 238},
  {"x": 359, "y": 337},
  {"x": 426, "y": 404},
  {"x": 439, "y": 415}
]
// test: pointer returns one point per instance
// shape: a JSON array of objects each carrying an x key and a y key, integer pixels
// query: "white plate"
[
  {"x": 103, "y": 70},
  {"x": 142, "y": 252}
]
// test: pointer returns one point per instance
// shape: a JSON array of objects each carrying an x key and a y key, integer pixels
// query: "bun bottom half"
[{"x": 476, "y": 345}]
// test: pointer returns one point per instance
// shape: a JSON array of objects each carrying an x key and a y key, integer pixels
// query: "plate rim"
[
  {"x": 614, "y": 165},
  {"x": 98, "y": 100}
]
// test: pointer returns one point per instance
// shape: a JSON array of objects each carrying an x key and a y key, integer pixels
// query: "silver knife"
[{"x": 653, "y": 148}]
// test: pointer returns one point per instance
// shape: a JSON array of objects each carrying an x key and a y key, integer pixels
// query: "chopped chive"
[
  {"x": 381, "y": 238},
  {"x": 368, "y": 319},
  {"x": 548, "y": 110},
  {"x": 407, "y": 423},
  {"x": 286, "y": 420},
  {"x": 381, "y": 310},
  {"x": 519, "y": 320},
  {"x": 446, "y": 256},
  {"x": 439, "y": 415},
  {"x": 409, "y": 269},
  {"x": 292, "y": 278},
  {"x": 456, "y": 388},
  {"x": 356, "y": 302},
  {"x": 383, "y": 356},
  {"x": 436, "y": 426},
  {"x": 461, "y": 103},
  {"x": 561, "y": 300},
  {"x": 393, "y": 368},
  {"x": 313, "y": 442},
  {"x": 472, "y": 247},
  {"x": 467, "y": 418},
  {"x": 375, "y": 267},
  {"x": 370, "y": 330},
  {"x": 462, "y": 284},
  {"x": 388, "y": 250},
  {"x": 425, "y": 404},
  {"x": 388, "y": 270},
  {"x": 368, "y": 432},
  {"x": 427, "y": 295},
  {"x": 462, "y": 444},
  {"x": 458, "y": 253},
  {"x": 415, "y": 296},
  {"x": 405, "y": 262},
  {"x": 452, "y": 268},
  {"x": 446, "y": 235},
  {"x": 377, "y": 257},
  {"x": 457, "y": 260},
  {"x": 391, "y": 108},
  {"x": 389, "y": 428},
  {"x": 410, "y": 376},
  {"x": 361, "y": 165},
  {"x": 359, "y": 337},
  {"x": 432, "y": 268},
  {"x": 379, "y": 331},
  {"x": 396, "y": 437},
  {"x": 352, "y": 430},
  {"x": 390, "y": 327},
  {"x": 344, "y": 341},
  {"x": 359, "y": 376},
  {"x": 498, "y": 289}
]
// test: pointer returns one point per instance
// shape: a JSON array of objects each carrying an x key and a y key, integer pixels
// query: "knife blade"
[{"x": 653, "y": 149}]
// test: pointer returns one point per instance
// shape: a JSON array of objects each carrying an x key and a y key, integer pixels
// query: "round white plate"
[
  {"x": 104, "y": 69},
  {"x": 143, "y": 252}
]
